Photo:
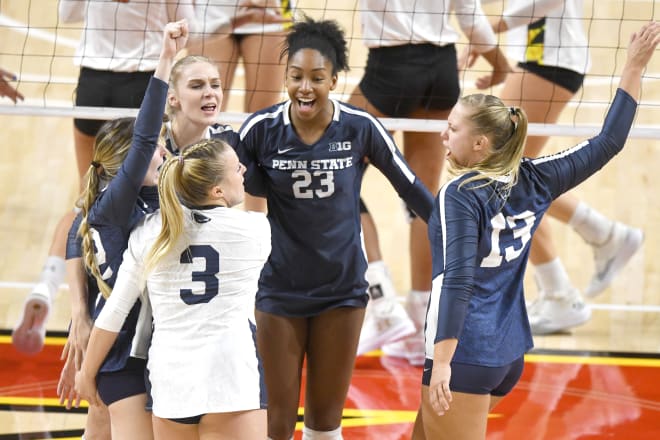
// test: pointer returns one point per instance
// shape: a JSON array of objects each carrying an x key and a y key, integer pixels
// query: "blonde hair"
[
  {"x": 177, "y": 70},
  {"x": 111, "y": 146},
  {"x": 506, "y": 128},
  {"x": 185, "y": 180}
]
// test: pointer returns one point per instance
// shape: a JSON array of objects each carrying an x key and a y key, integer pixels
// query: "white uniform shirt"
[
  {"x": 397, "y": 22},
  {"x": 213, "y": 14},
  {"x": 123, "y": 37},
  {"x": 202, "y": 357},
  {"x": 564, "y": 41}
]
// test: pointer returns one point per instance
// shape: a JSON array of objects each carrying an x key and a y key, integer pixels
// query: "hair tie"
[
  {"x": 514, "y": 114},
  {"x": 181, "y": 159},
  {"x": 95, "y": 164}
]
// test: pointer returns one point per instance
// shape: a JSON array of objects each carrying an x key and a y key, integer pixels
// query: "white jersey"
[
  {"x": 214, "y": 14},
  {"x": 203, "y": 355},
  {"x": 547, "y": 32},
  {"x": 122, "y": 37},
  {"x": 397, "y": 22}
]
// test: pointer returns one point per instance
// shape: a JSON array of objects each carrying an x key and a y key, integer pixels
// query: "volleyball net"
[{"x": 37, "y": 46}]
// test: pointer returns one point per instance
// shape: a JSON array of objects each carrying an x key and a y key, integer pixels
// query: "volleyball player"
[
  {"x": 480, "y": 230},
  {"x": 548, "y": 42},
  {"x": 310, "y": 153},
  {"x": 412, "y": 72},
  {"x": 120, "y": 190},
  {"x": 117, "y": 54},
  {"x": 7, "y": 89},
  {"x": 201, "y": 262},
  {"x": 256, "y": 44}
]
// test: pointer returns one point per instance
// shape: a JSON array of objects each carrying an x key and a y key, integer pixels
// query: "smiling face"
[
  {"x": 197, "y": 93},
  {"x": 464, "y": 146},
  {"x": 309, "y": 80}
]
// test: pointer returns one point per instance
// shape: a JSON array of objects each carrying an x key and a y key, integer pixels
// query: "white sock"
[
  {"x": 591, "y": 225},
  {"x": 551, "y": 278},
  {"x": 310, "y": 434},
  {"x": 52, "y": 274},
  {"x": 380, "y": 282}
]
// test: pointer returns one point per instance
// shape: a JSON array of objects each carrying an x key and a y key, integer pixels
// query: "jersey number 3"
[
  {"x": 207, "y": 276},
  {"x": 519, "y": 227}
]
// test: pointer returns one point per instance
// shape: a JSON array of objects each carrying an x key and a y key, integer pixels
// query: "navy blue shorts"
[
  {"x": 564, "y": 78},
  {"x": 194, "y": 420},
  {"x": 400, "y": 79},
  {"x": 127, "y": 382},
  {"x": 476, "y": 379},
  {"x": 100, "y": 88}
]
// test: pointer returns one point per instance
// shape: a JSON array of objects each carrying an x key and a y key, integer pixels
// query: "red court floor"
[{"x": 562, "y": 395}]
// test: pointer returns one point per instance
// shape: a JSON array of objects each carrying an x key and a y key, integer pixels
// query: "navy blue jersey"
[
  {"x": 313, "y": 192},
  {"x": 120, "y": 206},
  {"x": 480, "y": 240},
  {"x": 74, "y": 250}
]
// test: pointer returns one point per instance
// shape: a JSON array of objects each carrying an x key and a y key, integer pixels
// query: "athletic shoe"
[
  {"x": 410, "y": 348},
  {"x": 612, "y": 256},
  {"x": 28, "y": 336},
  {"x": 385, "y": 321},
  {"x": 558, "y": 312}
]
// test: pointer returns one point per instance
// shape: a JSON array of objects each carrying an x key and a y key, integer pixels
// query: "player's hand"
[
  {"x": 7, "y": 89},
  {"x": 66, "y": 385},
  {"x": 85, "y": 387},
  {"x": 259, "y": 11},
  {"x": 467, "y": 58},
  {"x": 175, "y": 37},
  {"x": 439, "y": 393},
  {"x": 79, "y": 332},
  {"x": 642, "y": 45}
]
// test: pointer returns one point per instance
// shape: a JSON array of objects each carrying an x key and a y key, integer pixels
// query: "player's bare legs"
[
  {"x": 559, "y": 305},
  {"x": 282, "y": 343},
  {"x": 29, "y": 333},
  {"x": 386, "y": 320},
  {"x": 238, "y": 425},
  {"x": 467, "y": 419},
  {"x": 131, "y": 408}
]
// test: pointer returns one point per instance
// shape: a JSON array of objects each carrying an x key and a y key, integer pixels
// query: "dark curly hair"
[{"x": 326, "y": 36}]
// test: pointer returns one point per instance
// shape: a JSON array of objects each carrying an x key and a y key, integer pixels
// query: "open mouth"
[
  {"x": 306, "y": 104},
  {"x": 209, "y": 108}
]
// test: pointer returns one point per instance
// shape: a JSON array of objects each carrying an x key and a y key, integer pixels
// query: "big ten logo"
[{"x": 340, "y": 146}]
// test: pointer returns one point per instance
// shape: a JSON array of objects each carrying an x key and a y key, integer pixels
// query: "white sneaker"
[
  {"x": 610, "y": 257},
  {"x": 30, "y": 332},
  {"x": 556, "y": 313},
  {"x": 385, "y": 321},
  {"x": 410, "y": 348}
]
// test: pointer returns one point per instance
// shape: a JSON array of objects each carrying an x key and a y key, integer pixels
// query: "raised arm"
[
  {"x": 640, "y": 49},
  {"x": 118, "y": 203}
]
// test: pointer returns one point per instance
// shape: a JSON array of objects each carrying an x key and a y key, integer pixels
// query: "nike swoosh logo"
[{"x": 284, "y": 151}]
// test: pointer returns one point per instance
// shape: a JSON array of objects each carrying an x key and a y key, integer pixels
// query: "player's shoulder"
[
  {"x": 250, "y": 220},
  {"x": 149, "y": 225},
  {"x": 224, "y": 132},
  {"x": 267, "y": 117}
]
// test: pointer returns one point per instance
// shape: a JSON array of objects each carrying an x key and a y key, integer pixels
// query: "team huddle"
[{"x": 201, "y": 316}]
